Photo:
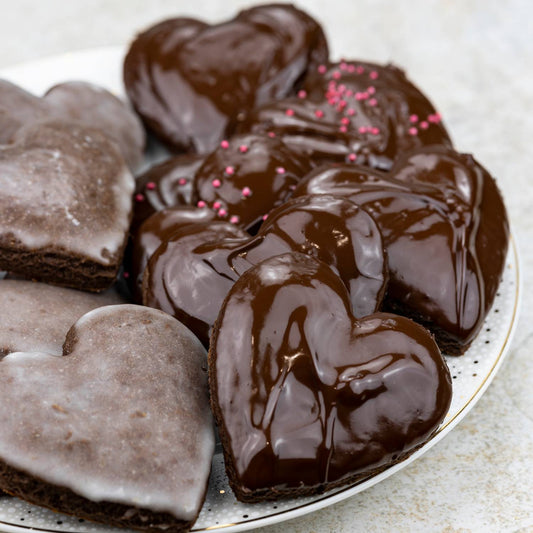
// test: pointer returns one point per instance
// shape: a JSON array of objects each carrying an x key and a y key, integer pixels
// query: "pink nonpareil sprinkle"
[
  {"x": 271, "y": 134},
  {"x": 373, "y": 75},
  {"x": 374, "y": 131},
  {"x": 351, "y": 69},
  {"x": 182, "y": 181},
  {"x": 150, "y": 185},
  {"x": 322, "y": 69},
  {"x": 264, "y": 217},
  {"x": 243, "y": 148},
  {"x": 319, "y": 113},
  {"x": 343, "y": 129},
  {"x": 352, "y": 157},
  {"x": 373, "y": 102},
  {"x": 280, "y": 170},
  {"x": 201, "y": 204},
  {"x": 350, "y": 111},
  {"x": 345, "y": 121},
  {"x": 246, "y": 192},
  {"x": 139, "y": 197},
  {"x": 434, "y": 119},
  {"x": 126, "y": 275},
  {"x": 289, "y": 112},
  {"x": 302, "y": 94},
  {"x": 229, "y": 171},
  {"x": 336, "y": 75},
  {"x": 234, "y": 219},
  {"x": 371, "y": 90},
  {"x": 216, "y": 183},
  {"x": 224, "y": 144},
  {"x": 413, "y": 131},
  {"x": 222, "y": 212},
  {"x": 217, "y": 205},
  {"x": 413, "y": 119},
  {"x": 363, "y": 129},
  {"x": 359, "y": 69},
  {"x": 424, "y": 125}
]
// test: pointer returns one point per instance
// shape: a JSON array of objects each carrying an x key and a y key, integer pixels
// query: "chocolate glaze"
[
  {"x": 247, "y": 177},
  {"x": 307, "y": 397},
  {"x": 190, "y": 274},
  {"x": 352, "y": 111},
  {"x": 156, "y": 229},
  {"x": 168, "y": 184},
  {"x": 446, "y": 233},
  {"x": 187, "y": 79}
]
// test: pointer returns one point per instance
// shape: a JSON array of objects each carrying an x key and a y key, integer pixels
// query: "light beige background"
[{"x": 475, "y": 60}]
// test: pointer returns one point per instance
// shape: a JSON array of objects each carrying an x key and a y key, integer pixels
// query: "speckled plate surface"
[{"x": 471, "y": 373}]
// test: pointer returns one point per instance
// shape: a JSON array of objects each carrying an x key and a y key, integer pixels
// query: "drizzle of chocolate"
[
  {"x": 446, "y": 234},
  {"x": 190, "y": 274},
  {"x": 242, "y": 185},
  {"x": 187, "y": 79},
  {"x": 350, "y": 112},
  {"x": 307, "y": 397},
  {"x": 168, "y": 184},
  {"x": 153, "y": 231}
]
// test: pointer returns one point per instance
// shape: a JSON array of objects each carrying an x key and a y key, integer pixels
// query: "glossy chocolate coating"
[
  {"x": 306, "y": 397},
  {"x": 248, "y": 177},
  {"x": 187, "y": 79},
  {"x": 168, "y": 184},
  {"x": 156, "y": 229},
  {"x": 352, "y": 111},
  {"x": 446, "y": 233},
  {"x": 191, "y": 273}
]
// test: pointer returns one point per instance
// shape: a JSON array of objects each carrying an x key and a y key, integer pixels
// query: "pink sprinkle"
[
  {"x": 280, "y": 170},
  {"x": 216, "y": 183},
  {"x": 182, "y": 181},
  {"x": 150, "y": 185},
  {"x": 359, "y": 69},
  {"x": 362, "y": 129},
  {"x": 234, "y": 219},
  {"x": 373, "y": 102},
  {"x": 343, "y": 129},
  {"x": 424, "y": 125},
  {"x": 322, "y": 69},
  {"x": 373, "y": 75},
  {"x": 201, "y": 203},
  {"x": 229, "y": 171},
  {"x": 371, "y": 90},
  {"x": 224, "y": 144},
  {"x": 434, "y": 119},
  {"x": 345, "y": 121},
  {"x": 352, "y": 157},
  {"x": 343, "y": 66},
  {"x": 374, "y": 131},
  {"x": 302, "y": 94},
  {"x": 217, "y": 205},
  {"x": 341, "y": 88},
  {"x": 139, "y": 197},
  {"x": 319, "y": 113},
  {"x": 350, "y": 111},
  {"x": 243, "y": 148},
  {"x": 413, "y": 131},
  {"x": 359, "y": 96},
  {"x": 246, "y": 192},
  {"x": 351, "y": 68},
  {"x": 348, "y": 93},
  {"x": 222, "y": 212},
  {"x": 336, "y": 75},
  {"x": 265, "y": 217},
  {"x": 342, "y": 104},
  {"x": 126, "y": 275},
  {"x": 289, "y": 112},
  {"x": 271, "y": 134},
  {"x": 413, "y": 119}
]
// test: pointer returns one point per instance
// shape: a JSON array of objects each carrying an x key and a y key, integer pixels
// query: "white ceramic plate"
[{"x": 471, "y": 373}]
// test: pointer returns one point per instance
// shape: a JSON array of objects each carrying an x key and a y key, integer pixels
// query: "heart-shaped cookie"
[
  {"x": 188, "y": 79},
  {"x": 248, "y": 176},
  {"x": 306, "y": 397},
  {"x": 76, "y": 101},
  {"x": 65, "y": 205},
  {"x": 352, "y": 111},
  {"x": 445, "y": 230},
  {"x": 117, "y": 430},
  {"x": 191, "y": 272}
]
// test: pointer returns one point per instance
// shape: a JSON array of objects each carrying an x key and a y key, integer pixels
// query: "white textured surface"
[{"x": 475, "y": 60}]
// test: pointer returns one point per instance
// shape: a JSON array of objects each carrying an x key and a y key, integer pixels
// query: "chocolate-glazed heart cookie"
[
  {"x": 117, "y": 430},
  {"x": 65, "y": 205},
  {"x": 187, "y": 79},
  {"x": 246, "y": 177},
  {"x": 190, "y": 274},
  {"x": 75, "y": 101},
  {"x": 446, "y": 233},
  {"x": 168, "y": 184},
  {"x": 306, "y": 397},
  {"x": 352, "y": 111}
]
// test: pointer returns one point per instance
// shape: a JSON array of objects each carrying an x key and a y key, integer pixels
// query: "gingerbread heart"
[
  {"x": 446, "y": 234},
  {"x": 76, "y": 101},
  {"x": 65, "y": 205},
  {"x": 191, "y": 272},
  {"x": 246, "y": 177},
  {"x": 307, "y": 397},
  {"x": 188, "y": 79},
  {"x": 117, "y": 430},
  {"x": 352, "y": 111}
]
